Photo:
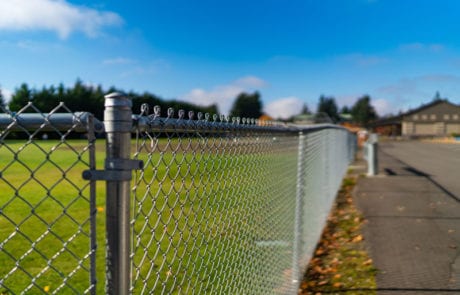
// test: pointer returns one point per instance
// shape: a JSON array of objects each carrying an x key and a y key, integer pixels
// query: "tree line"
[
  {"x": 86, "y": 98},
  {"x": 361, "y": 113}
]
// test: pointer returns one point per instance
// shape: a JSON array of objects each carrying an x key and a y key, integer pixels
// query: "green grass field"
[
  {"x": 206, "y": 213},
  {"x": 44, "y": 221}
]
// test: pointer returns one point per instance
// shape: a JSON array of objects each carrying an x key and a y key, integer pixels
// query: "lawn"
[
  {"x": 45, "y": 211},
  {"x": 208, "y": 215},
  {"x": 204, "y": 208}
]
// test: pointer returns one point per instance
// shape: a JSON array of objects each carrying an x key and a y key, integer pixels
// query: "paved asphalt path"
[
  {"x": 412, "y": 210},
  {"x": 440, "y": 161}
]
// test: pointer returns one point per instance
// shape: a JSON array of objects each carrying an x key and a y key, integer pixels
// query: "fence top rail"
[
  {"x": 161, "y": 124},
  {"x": 184, "y": 123},
  {"x": 78, "y": 122}
]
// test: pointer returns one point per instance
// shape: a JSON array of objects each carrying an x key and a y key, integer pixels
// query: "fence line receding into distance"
[{"x": 185, "y": 203}]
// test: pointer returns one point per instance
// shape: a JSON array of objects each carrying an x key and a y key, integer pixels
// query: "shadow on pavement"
[{"x": 417, "y": 172}]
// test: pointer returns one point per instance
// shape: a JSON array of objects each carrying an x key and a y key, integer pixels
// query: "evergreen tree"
[
  {"x": 88, "y": 98},
  {"x": 305, "y": 110},
  {"x": 437, "y": 96},
  {"x": 46, "y": 99},
  {"x": 327, "y": 105},
  {"x": 247, "y": 106},
  {"x": 20, "y": 97},
  {"x": 363, "y": 112},
  {"x": 345, "y": 110}
]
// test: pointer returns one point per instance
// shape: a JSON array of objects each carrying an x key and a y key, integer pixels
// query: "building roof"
[
  {"x": 398, "y": 119},
  {"x": 429, "y": 105}
]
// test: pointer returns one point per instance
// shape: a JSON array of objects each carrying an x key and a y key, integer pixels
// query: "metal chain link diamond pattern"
[
  {"x": 46, "y": 243},
  {"x": 220, "y": 207},
  {"x": 214, "y": 209}
]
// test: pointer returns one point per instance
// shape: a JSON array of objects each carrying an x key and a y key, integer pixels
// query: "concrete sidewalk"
[{"x": 412, "y": 230}]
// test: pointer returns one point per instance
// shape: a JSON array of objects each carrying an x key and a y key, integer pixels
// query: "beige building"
[{"x": 438, "y": 118}]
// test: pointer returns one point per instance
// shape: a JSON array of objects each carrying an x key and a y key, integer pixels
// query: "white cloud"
[
  {"x": 54, "y": 15},
  {"x": 7, "y": 94},
  {"x": 224, "y": 95},
  {"x": 382, "y": 106},
  {"x": 284, "y": 107}
]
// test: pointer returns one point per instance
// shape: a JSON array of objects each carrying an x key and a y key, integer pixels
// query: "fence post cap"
[
  {"x": 117, "y": 99},
  {"x": 115, "y": 95}
]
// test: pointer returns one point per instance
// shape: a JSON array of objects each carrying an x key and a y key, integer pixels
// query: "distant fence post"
[
  {"x": 118, "y": 125},
  {"x": 372, "y": 159}
]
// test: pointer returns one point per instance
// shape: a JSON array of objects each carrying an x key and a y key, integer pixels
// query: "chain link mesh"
[
  {"x": 219, "y": 207},
  {"x": 46, "y": 212},
  {"x": 214, "y": 209}
]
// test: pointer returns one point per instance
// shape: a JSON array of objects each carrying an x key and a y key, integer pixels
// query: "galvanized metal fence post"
[
  {"x": 117, "y": 174},
  {"x": 372, "y": 159},
  {"x": 300, "y": 191},
  {"x": 118, "y": 125}
]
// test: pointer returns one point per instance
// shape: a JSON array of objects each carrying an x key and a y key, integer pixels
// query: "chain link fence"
[
  {"x": 47, "y": 211},
  {"x": 214, "y": 206}
]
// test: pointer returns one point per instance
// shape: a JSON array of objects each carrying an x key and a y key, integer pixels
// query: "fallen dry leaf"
[
  {"x": 337, "y": 285},
  {"x": 367, "y": 262},
  {"x": 357, "y": 239},
  {"x": 319, "y": 252}
]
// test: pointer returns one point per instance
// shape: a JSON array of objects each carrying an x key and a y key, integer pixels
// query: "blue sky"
[{"x": 400, "y": 52}]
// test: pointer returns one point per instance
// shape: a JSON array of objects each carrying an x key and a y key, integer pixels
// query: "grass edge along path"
[{"x": 340, "y": 264}]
